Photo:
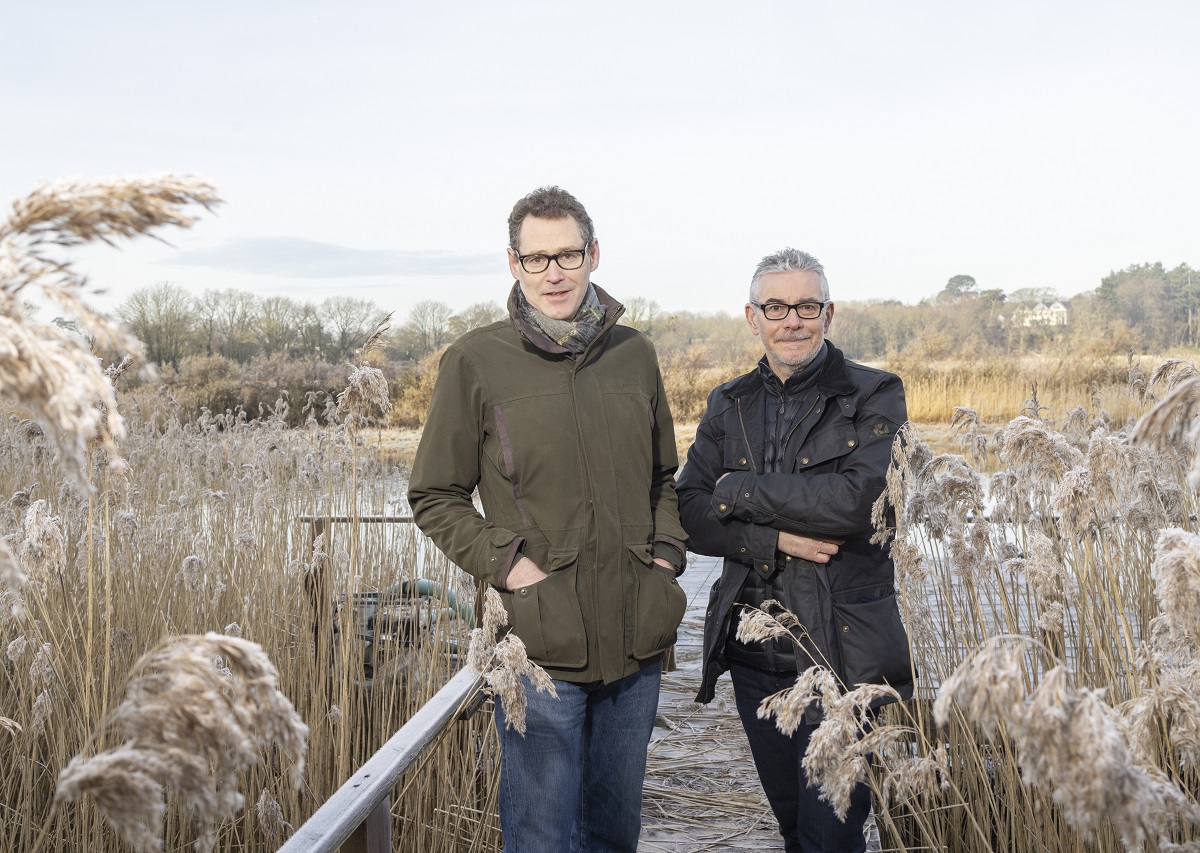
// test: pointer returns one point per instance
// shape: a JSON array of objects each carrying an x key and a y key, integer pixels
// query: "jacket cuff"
[
  {"x": 671, "y": 552},
  {"x": 727, "y": 493}
]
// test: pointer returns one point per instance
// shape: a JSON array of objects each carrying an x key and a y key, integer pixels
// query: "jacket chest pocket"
[
  {"x": 825, "y": 447},
  {"x": 735, "y": 456}
]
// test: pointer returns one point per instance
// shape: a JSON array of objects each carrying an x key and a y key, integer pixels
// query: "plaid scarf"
[{"x": 574, "y": 334}]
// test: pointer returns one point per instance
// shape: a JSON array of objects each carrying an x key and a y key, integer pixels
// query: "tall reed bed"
[
  {"x": 1052, "y": 611},
  {"x": 991, "y": 386},
  {"x": 201, "y": 533}
]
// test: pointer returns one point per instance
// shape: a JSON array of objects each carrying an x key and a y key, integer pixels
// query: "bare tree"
[
  {"x": 641, "y": 313},
  {"x": 279, "y": 325},
  {"x": 310, "y": 335},
  {"x": 161, "y": 317},
  {"x": 348, "y": 322},
  {"x": 474, "y": 316},
  {"x": 427, "y": 329},
  {"x": 229, "y": 318}
]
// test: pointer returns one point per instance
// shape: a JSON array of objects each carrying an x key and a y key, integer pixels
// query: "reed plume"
[
  {"x": 839, "y": 751},
  {"x": 364, "y": 398},
  {"x": 1172, "y": 424},
  {"x": 504, "y": 664},
  {"x": 1069, "y": 742},
  {"x": 771, "y": 621},
  {"x": 1176, "y": 571},
  {"x": 837, "y": 759},
  {"x": 965, "y": 422},
  {"x": 12, "y": 585},
  {"x": 270, "y": 815},
  {"x": 1167, "y": 709},
  {"x": 198, "y": 710},
  {"x": 43, "y": 366},
  {"x": 43, "y": 549},
  {"x": 1172, "y": 372}
]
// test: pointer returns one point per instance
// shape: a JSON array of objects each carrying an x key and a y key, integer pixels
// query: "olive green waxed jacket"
[{"x": 574, "y": 461}]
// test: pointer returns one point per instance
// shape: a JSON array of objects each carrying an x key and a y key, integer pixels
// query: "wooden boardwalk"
[{"x": 701, "y": 791}]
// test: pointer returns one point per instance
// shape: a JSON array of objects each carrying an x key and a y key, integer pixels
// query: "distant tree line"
[
  {"x": 173, "y": 325},
  {"x": 1143, "y": 307},
  {"x": 226, "y": 348}
]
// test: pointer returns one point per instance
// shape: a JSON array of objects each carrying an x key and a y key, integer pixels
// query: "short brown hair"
[{"x": 549, "y": 203}]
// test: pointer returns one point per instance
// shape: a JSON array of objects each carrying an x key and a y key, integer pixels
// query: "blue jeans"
[
  {"x": 574, "y": 781},
  {"x": 807, "y": 824}
]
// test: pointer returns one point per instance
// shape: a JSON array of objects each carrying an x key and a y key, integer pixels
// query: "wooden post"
[{"x": 374, "y": 835}]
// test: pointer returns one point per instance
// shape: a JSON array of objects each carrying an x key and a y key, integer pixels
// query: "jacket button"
[
  {"x": 746, "y": 495},
  {"x": 766, "y": 568},
  {"x": 722, "y": 507},
  {"x": 804, "y": 461},
  {"x": 493, "y": 559},
  {"x": 524, "y": 590},
  {"x": 742, "y": 461},
  {"x": 845, "y": 629},
  {"x": 788, "y": 557},
  {"x": 743, "y": 550},
  {"x": 850, "y": 443}
]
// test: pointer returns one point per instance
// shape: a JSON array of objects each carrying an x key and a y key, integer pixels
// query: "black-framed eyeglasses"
[
  {"x": 779, "y": 310},
  {"x": 572, "y": 259}
]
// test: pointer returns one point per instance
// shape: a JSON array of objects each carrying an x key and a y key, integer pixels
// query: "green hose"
[{"x": 436, "y": 590}]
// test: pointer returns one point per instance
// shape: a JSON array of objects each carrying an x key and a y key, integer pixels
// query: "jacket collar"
[
  {"x": 612, "y": 312},
  {"x": 834, "y": 379},
  {"x": 804, "y": 378}
]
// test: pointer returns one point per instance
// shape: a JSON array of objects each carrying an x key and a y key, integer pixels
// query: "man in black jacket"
[{"x": 787, "y": 462}]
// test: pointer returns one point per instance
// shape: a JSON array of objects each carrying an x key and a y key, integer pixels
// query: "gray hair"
[{"x": 788, "y": 260}]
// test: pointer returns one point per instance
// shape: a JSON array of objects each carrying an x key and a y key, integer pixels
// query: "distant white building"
[{"x": 1041, "y": 314}]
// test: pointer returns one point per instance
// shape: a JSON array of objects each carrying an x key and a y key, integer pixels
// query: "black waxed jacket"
[{"x": 834, "y": 470}]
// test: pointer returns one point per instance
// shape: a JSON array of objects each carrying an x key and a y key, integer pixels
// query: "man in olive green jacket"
[{"x": 558, "y": 416}]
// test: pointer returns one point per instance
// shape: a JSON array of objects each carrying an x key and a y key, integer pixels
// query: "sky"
[{"x": 375, "y": 149}]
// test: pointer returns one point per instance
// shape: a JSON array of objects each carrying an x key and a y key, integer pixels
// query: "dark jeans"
[
  {"x": 807, "y": 824},
  {"x": 574, "y": 781}
]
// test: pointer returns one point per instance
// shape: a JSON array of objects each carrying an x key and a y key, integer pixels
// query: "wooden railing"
[{"x": 357, "y": 817}]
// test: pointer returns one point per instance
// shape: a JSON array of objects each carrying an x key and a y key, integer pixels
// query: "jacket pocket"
[
  {"x": 547, "y": 616},
  {"x": 735, "y": 456},
  {"x": 660, "y": 604},
  {"x": 825, "y": 446},
  {"x": 871, "y": 639}
]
